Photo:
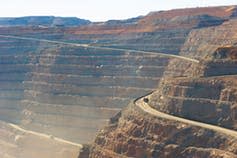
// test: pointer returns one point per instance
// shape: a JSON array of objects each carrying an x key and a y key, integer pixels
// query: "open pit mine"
[{"x": 162, "y": 85}]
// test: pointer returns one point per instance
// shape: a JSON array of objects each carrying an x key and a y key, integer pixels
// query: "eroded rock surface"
[
  {"x": 201, "y": 91},
  {"x": 70, "y": 91},
  {"x": 138, "y": 134}
]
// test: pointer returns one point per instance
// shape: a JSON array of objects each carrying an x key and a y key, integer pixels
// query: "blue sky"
[{"x": 98, "y": 10}]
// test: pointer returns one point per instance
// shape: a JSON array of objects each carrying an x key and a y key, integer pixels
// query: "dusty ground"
[{"x": 19, "y": 143}]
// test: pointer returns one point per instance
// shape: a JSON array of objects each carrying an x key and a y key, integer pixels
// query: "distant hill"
[
  {"x": 129, "y": 21},
  {"x": 49, "y": 21}
]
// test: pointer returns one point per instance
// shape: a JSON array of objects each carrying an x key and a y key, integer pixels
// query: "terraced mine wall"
[
  {"x": 203, "y": 43},
  {"x": 139, "y": 134},
  {"x": 71, "y": 92},
  {"x": 168, "y": 41},
  {"x": 158, "y": 31},
  {"x": 201, "y": 91},
  {"x": 211, "y": 100},
  {"x": 67, "y": 91},
  {"x": 187, "y": 90}
]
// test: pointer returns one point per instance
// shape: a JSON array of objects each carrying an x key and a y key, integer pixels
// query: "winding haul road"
[
  {"x": 148, "y": 109},
  {"x": 44, "y": 135},
  {"x": 139, "y": 102},
  {"x": 98, "y": 47}
]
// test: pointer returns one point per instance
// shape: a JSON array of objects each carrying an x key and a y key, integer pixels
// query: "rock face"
[
  {"x": 211, "y": 100},
  {"x": 158, "y": 31},
  {"x": 203, "y": 91},
  {"x": 70, "y": 91},
  {"x": 203, "y": 43},
  {"x": 138, "y": 134}
]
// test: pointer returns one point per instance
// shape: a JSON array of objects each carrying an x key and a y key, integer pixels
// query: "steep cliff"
[
  {"x": 63, "y": 90},
  {"x": 139, "y": 134},
  {"x": 211, "y": 100},
  {"x": 193, "y": 111},
  {"x": 68, "y": 82}
]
